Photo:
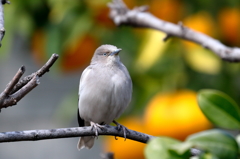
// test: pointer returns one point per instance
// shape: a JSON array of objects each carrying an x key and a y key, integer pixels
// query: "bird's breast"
[{"x": 106, "y": 95}]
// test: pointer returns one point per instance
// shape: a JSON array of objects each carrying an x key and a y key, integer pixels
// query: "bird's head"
[{"x": 106, "y": 54}]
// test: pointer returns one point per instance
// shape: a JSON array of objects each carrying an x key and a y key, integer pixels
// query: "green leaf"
[
  {"x": 160, "y": 148},
  {"x": 217, "y": 142},
  {"x": 182, "y": 148},
  {"x": 238, "y": 141},
  {"x": 219, "y": 108},
  {"x": 205, "y": 156}
]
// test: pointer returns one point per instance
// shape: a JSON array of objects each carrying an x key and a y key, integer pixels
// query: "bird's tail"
[{"x": 86, "y": 141}]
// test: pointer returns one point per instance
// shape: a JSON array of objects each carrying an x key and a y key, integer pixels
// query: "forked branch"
[{"x": 17, "y": 89}]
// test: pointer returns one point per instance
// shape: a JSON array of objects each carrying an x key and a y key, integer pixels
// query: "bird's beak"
[{"x": 115, "y": 52}]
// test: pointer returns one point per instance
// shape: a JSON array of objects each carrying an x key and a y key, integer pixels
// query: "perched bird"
[{"x": 105, "y": 91}]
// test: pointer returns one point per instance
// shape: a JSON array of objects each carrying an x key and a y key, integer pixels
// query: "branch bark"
[
  {"x": 34, "y": 135},
  {"x": 2, "y": 30},
  {"x": 138, "y": 17},
  {"x": 17, "y": 89}
]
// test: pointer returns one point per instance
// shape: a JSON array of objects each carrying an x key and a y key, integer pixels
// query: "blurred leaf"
[
  {"x": 238, "y": 141},
  {"x": 159, "y": 148},
  {"x": 82, "y": 25},
  {"x": 182, "y": 148},
  {"x": 151, "y": 50},
  {"x": 199, "y": 58},
  {"x": 203, "y": 60},
  {"x": 25, "y": 24},
  {"x": 219, "y": 108},
  {"x": 60, "y": 8},
  {"x": 53, "y": 40},
  {"x": 217, "y": 142},
  {"x": 205, "y": 156}
]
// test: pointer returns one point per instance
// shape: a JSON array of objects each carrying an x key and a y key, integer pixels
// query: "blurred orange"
[
  {"x": 175, "y": 115},
  {"x": 201, "y": 22},
  {"x": 79, "y": 53},
  {"x": 38, "y": 46},
  {"x": 197, "y": 57},
  {"x": 100, "y": 12},
  {"x": 128, "y": 149},
  {"x": 102, "y": 17},
  {"x": 130, "y": 3},
  {"x": 229, "y": 20},
  {"x": 169, "y": 10}
]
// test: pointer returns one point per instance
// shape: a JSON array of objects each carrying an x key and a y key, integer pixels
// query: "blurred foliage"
[
  {"x": 74, "y": 29},
  {"x": 211, "y": 144}
]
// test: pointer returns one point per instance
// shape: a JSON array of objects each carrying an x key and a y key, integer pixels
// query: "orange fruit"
[
  {"x": 128, "y": 149},
  {"x": 195, "y": 55},
  {"x": 79, "y": 53},
  {"x": 169, "y": 10},
  {"x": 100, "y": 13},
  {"x": 201, "y": 22},
  {"x": 102, "y": 17},
  {"x": 229, "y": 19},
  {"x": 175, "y": 115},
  {"x": 75, "y": 56},
  {"x": 38, "y": 45}
]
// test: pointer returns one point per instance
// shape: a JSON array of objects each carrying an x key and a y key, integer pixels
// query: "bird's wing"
[
  {"x": 84, "y": 78},
  {"x": 81, "y": 122}
]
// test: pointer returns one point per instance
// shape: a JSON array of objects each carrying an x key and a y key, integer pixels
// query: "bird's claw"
[
  {"x": 96, "y": 126},
  {"x": 119, "y": 128}
]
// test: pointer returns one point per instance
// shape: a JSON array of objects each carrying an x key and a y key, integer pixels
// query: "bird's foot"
[
  {"x": 96, "y": 126},
  {"x": 121, "y": 127}
]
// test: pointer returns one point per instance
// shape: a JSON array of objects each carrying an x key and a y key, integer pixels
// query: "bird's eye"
[{"x": 105, "y": 54}]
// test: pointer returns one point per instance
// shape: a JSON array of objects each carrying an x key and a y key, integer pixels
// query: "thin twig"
[
  {"x": 34, "y": 135},
  {"x": 12, "y": 83},
  {"x": 16, "y": 89},
  {"x": 136, "y": 17},
  {"x": 45, "y": 68},
  {"x": 14, "y": 98}
]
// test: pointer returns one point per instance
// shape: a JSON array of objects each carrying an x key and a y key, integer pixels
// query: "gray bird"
[{"x": 105, "y": 91}]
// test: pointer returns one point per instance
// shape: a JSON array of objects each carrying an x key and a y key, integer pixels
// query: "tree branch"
[
  {"x": 34, "y": 135},
  {"x": 16, "y": 89},
  {"x": 137, "y": 17},
  {"x": 45, "y": 68},
  {"x": 11, "y": 85},
  {"x": 2, "y": 30}
]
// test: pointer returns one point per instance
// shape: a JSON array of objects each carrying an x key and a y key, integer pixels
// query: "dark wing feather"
[{"x": 80, "y": 120}]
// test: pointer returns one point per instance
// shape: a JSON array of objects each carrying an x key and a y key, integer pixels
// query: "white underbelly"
[{"x": 104, "y": 109}]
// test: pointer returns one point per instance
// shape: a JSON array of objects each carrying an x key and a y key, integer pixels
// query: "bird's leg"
[
  {"x": 96, "y": 126},
  {"x": 121, "y": 127}
]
